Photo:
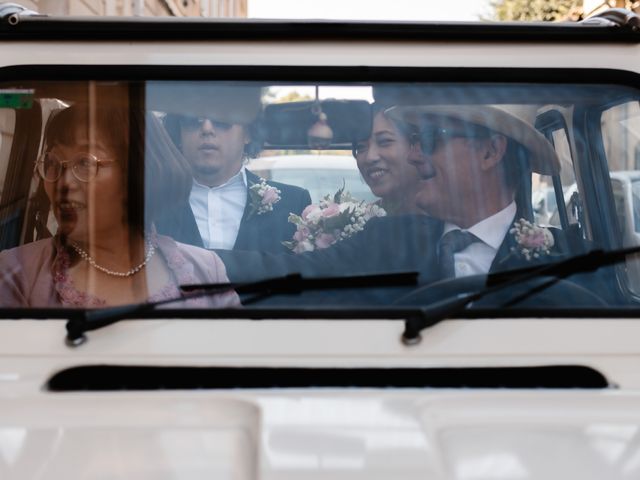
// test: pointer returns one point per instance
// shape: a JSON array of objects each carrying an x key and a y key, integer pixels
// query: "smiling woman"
[
  {"x": 104, "y": 250},
  {"x": 383, "y": 162}
]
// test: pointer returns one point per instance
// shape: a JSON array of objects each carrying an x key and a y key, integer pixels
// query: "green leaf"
[{"x": 337, "y": 198}]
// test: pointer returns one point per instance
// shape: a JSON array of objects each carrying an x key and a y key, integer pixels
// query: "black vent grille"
[{"x": 122, "y": 377}]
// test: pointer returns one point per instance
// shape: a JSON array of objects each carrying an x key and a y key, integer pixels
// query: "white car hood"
[
  {"x": 470, "y": 435},
  {"x": 321, "y": 433}
]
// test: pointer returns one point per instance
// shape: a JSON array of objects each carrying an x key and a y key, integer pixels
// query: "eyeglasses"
[
  {"x": 195, "y": 123},
  {"x": 430, "y": 136},
  {"x": 84, "y": 166}
]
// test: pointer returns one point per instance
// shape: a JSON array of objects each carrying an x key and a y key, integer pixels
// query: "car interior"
[{"x": 594, "y": 129}]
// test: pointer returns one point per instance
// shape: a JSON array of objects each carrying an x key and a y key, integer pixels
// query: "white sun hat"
[{"x": 513, "y": 121}]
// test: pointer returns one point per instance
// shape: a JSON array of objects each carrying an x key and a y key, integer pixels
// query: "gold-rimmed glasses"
[{"x": 84, "y": 166}]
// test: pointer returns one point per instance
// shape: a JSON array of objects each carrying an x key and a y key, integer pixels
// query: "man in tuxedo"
[
  {"x": 215, "y": 127},
  {"x": 473, "y": 161}
]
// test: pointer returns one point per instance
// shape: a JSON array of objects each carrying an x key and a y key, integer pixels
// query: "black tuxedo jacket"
[
  {"x": 579, "y": 290},
  {"x": 566, "y": 243},
  {"x": 264, "y": 232}
]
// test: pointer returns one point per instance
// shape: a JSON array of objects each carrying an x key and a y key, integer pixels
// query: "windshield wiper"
[
  {"x": 439, "y": 311},
  {"x": 87, "y": 320}
]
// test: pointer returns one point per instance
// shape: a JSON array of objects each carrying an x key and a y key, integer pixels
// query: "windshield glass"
[{"x": 115, "y": 193}]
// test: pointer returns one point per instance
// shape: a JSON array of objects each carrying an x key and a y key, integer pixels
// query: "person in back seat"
[
  {"x": 382, "y": 161},
  {"x": 215, "y": 127}
]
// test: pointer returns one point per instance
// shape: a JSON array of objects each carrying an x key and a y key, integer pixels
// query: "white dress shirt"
[
  {"x": 477, "y": 257},
  {"x": 218, "y": 210}
]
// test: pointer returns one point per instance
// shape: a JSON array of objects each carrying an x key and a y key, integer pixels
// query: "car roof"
[{"x": 17, "y": 22}]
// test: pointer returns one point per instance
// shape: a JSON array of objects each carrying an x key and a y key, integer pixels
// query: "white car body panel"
[
  {"x": 328, "y": 433},
  {"x": 326, "y": 53},
  {"x": 331, "y": 433}
]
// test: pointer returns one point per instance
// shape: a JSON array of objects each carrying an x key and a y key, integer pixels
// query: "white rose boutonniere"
[
  {"x": 263, "y": 197},
  {"x": 533, "y": 241}
]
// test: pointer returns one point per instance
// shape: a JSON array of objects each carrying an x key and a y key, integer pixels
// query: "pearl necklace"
[{"x": 151, "y": 250}]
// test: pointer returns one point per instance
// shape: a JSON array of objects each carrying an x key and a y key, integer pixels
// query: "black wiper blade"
[
  {"x": 439, "y": 311},
  {"x": 587, "y": 262},
  {"x": 80, "y": 323},
  {"x": 295, "y": 283}
]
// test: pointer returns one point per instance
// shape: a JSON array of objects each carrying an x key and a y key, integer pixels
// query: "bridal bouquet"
[{"x": 331, "y": 220}]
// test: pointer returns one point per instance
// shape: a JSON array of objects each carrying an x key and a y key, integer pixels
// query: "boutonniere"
[
  {"x": 532, "y": 240},
  {"x": 263, "y": 197}
]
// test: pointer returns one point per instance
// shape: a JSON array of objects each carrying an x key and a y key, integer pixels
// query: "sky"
[{"x": 433, "y": 10}]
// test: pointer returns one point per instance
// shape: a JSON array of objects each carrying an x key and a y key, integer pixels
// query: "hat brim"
[{"x": 542, "y": 156}]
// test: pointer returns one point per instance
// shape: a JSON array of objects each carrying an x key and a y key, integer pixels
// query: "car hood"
[
  {"x": 337, "y": 434},
  {"x": 320, "y": 433}
]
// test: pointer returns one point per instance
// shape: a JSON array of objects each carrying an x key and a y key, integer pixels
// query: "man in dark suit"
[
  {"x": 473, "y": 160},
  {"x": 229, "y": 207}
]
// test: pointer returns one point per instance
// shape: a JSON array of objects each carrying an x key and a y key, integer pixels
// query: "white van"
[{"x": 336, "y": 340}]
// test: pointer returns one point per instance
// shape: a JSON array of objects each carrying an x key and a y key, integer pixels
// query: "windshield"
[{"x": 116, "y": 193}]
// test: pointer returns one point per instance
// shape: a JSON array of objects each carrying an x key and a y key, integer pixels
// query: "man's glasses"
[
  {"x": 196, "y": 123},
  {"x": 430, "y": 136},
  {"x": 84, "y": 166}
]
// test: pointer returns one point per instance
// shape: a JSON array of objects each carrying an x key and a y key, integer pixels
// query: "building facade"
[{"x": 155, "y": 8}]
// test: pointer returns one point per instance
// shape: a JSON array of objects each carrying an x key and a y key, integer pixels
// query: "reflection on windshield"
[{"x": 132, "y": 190}]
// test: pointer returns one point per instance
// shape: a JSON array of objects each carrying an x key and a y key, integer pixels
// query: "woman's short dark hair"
[
  {"x": 156, "y": 174},
  {"x": 403, "y": 127},
  {"x": 255, "y": 130}
]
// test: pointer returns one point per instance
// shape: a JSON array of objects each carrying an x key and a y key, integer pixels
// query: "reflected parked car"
[
  {"x": 544, "y": 205},
  {"x": 321, "y": 175}
]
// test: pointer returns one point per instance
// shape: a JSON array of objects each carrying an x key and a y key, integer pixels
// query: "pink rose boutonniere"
[
  {"x": 263, "y": 197},
  {"x": 533, "y": 241},
  {"x": 329, "y": 221}
]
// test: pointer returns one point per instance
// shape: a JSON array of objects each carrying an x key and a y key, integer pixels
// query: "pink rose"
[
  {"x": 270, "y": 196},
  {"x": 302, "y": 233},
  {"x": 325, "y": 240},
  {"x": 331, "y": 211},
  {"x": 307, "y": 210},
  {"x": 312, "y": 213},
  {"x": 534, "y": 240}
]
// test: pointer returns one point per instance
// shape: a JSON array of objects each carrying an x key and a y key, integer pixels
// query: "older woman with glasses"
[{"x": 107, "y": 169}]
